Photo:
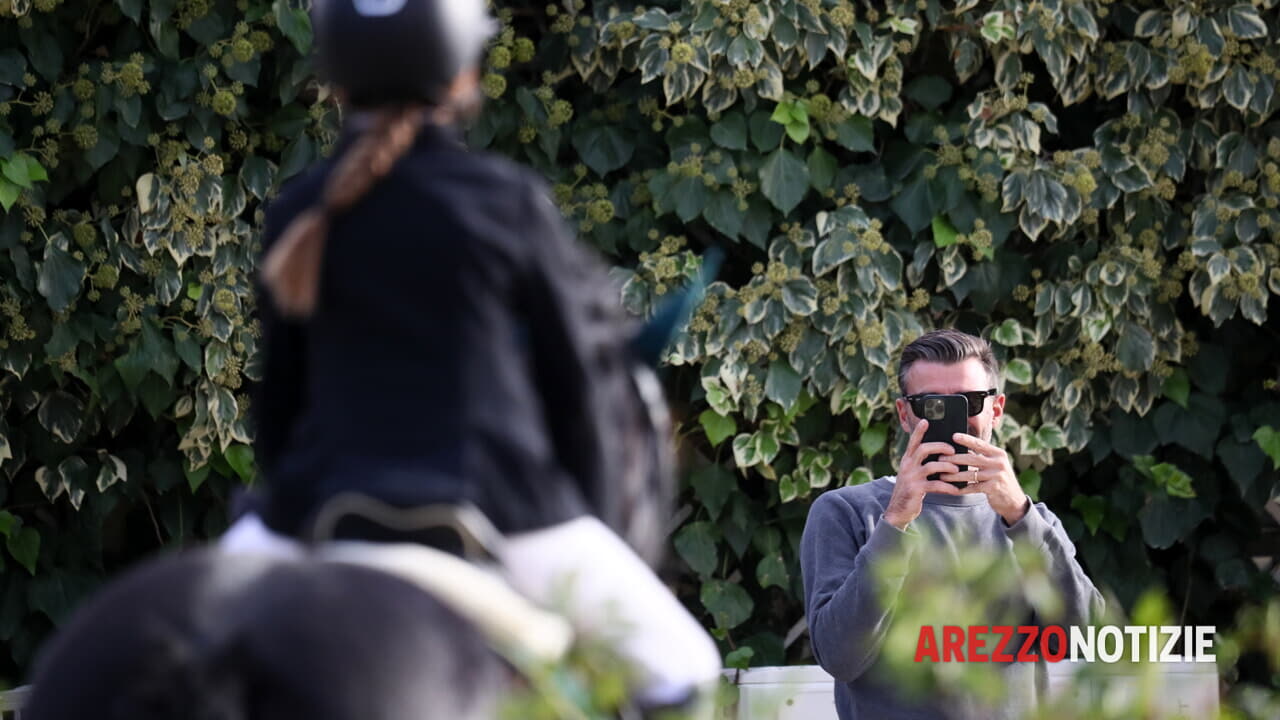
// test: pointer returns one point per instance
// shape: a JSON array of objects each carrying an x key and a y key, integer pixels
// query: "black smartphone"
[{"x": 947, "y": 415}]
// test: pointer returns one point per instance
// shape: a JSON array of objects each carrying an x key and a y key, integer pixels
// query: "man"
[{"x": 853, "y": 529}]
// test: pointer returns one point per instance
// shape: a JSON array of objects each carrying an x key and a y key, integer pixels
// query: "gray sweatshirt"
[{"x": 842, "y": 540}]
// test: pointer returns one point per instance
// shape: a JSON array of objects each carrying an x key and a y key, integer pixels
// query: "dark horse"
[{"x": 203, "y": 635}]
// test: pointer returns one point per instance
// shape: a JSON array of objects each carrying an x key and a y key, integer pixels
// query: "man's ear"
[
  {"x": 997, "y": 409},
  {"x": 904, "y": 415}
]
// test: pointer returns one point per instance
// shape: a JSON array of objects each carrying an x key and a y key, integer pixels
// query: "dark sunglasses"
[{"x": 976, "y": 398}]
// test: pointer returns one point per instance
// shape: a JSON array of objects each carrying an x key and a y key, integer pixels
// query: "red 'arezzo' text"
[{"x": 1022, "y": 643}]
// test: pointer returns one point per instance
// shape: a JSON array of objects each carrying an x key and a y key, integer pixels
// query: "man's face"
[{"x": 947, "y": 379}]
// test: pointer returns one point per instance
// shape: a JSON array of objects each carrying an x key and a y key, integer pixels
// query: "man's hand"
[
  {"x": 913, "y": 478},
  {"x": 993, "y": 477}
]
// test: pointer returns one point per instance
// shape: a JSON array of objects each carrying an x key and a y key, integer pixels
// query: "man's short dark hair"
[{"x": 948, "y": 347}]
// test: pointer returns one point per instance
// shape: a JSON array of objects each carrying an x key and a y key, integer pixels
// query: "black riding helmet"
[{"x": 393, "y": 51}]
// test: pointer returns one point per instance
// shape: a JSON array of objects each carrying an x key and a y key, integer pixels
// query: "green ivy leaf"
[
  {"x": 822, "y": 169},
  {"x": 1245, "y": 22},
  {"x": 156, "y": 395},
  {"x": 9, "y": 523},
  {"x": 787, "y": 489},
  {"x": 196, "y": 476},
  {"x": 784, "y": 180},
  {"x": 794, "y": 118},
  {"x": 105, "y": 150},
  {"x": 691, "y": 197},
  {"x": 771, "y": 571},
  {"x": 728, "y": 603},
  {"x": 744, "y": 450},
  {"x": 783, "y": 384},
  {"x": 111, "y": 471},
  {"x": 800, "y": 296},
  {"x": 723, "y": 213},
  {"x": 713, "y": 485},
  {"x": 1165, "y": 520},
  {"x": 603, "y": 148},
  {"x": 295, "y": 24},
  {"x": 62, "y": 414},
  {"x": 132, "y": 367},
  {"x": 1269, "y": 440},
  {"x": 1008, "y": 333},
  {"x": 257, "y": 174},
  {"x": 1051, "y": 436},
  {"x": 833, "y": 251},
  {"x": 730, "y": 131},
  {"x": 696, "y": 545},
  {"x": 1092, "y": 508},
  {"x": 717, "y": 426},
  {"x": 9, "y": 193},
  {"x": 1019, "y": 372},
  {"x": 23, "y": 170},
  {"x": 1174, "y": 481},
  {"x": 1177, "y": 387},
  {"x": 13, "y": 65},
  {"x": 296, "y": 157},
  {"x": 930, "y": 91},
  {"x": 1236, "y": 88},
  {"x": 860, "y": 476},
  {"x": 1135, "y": 349},
  {"x": 757, "y": 223},
  {"x": 943, "y": 233},
  {"x": 24, "y": 546},
  {"x": 767, "y": 446},
  {"x": 188, "y": 349},
  {"x": 913, "y": 205},
  {"x": 856, "y": 133},
  {"x": 739, "y": 658},
  {"x": 873, "y": 439},
  {"x": 157, "y": 352},
  {"x": 765, "y": 133},
  {"x": 1029, "y": 479},
  {"x": 43, "y": 50},
  {"x": 61, "y": 277},
  {"x": 76, "y": 476},
  {"x": 1195, "y": 428}
]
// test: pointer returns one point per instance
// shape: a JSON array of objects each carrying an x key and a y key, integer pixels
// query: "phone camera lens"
[{"x": 934, "y": 409}]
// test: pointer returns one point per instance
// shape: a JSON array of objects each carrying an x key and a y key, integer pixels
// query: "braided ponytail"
[{"x": 291, "y": 270}]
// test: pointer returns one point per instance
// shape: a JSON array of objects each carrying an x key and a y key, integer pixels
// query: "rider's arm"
[
  {"x": 277, "y": 397},
  {"x": 575, "y": 331}
]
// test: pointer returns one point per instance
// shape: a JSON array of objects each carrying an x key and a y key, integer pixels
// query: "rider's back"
[{"x": 450, "y": 353}]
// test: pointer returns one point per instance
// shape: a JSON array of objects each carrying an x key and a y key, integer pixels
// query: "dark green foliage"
[
  {"x": 1094, "y": 187},
  {"x": 137, "y": 141}
]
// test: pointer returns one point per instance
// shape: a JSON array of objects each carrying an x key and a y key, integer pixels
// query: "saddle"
[{"x": 470, "y": 585}]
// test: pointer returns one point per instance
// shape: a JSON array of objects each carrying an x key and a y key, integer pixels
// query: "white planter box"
[
  {"x": 806, "y": 692},
  {"x": 1181, "y": 691},
  {"x": 800, "y": 692}
]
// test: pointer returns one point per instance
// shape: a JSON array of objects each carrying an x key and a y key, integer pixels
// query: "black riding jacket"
[{"x": 464, "y": 347}]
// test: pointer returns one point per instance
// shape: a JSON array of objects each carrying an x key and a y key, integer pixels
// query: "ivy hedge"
[{"x": 1092, "y": 185}]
